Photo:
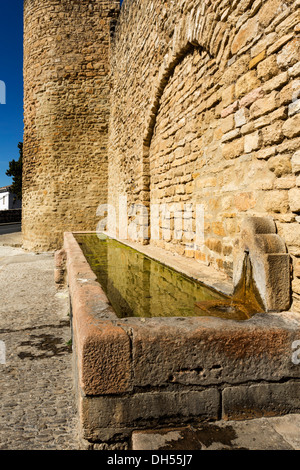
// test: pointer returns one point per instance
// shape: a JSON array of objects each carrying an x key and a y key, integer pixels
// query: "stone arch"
[{"x": 195, "y": 30}]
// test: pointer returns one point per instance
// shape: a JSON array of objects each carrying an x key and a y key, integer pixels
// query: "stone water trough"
[{"x": 138, "y": 373}]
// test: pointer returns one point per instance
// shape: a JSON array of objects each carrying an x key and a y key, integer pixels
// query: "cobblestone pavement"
[{"x": 37, "y": 408}]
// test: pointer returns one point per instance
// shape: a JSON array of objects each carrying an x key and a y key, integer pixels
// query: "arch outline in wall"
[{"x": 196, "y": 30}]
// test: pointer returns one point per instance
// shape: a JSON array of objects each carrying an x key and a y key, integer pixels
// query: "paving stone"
[
  {"x": 37, "y": 409},
  {"x": 280, "y": 433}
]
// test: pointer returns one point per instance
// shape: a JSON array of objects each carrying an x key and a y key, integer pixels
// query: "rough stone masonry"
[{"x": 186, "y": 102}]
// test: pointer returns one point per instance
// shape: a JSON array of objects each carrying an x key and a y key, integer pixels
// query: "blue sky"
[{"x": 11, "y": 73}]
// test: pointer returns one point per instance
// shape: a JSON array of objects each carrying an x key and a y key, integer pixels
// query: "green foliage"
[{"x": 15, "y": 171}]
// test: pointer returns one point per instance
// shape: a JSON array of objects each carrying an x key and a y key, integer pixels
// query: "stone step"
[{"x": 275, "y": 433}]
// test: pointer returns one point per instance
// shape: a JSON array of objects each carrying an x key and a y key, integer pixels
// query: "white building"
[{"x": 8, "y": 200}]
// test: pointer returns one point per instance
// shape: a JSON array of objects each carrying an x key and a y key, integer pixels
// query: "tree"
[{"x": 15, "y": 171}]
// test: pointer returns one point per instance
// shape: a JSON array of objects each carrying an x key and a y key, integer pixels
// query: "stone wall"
[
  {"x": 66, "y": 90},
  {"x": 205, "y": 110}
]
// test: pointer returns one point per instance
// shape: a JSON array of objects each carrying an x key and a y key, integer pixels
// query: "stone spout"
[{"x": 270, "y": 262}]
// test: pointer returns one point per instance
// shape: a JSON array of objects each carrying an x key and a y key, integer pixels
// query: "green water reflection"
[{"x": 138, "y": 286}]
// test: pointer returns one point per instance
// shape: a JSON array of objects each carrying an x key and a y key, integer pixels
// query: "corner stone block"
[{"x": 104, "y": 366}]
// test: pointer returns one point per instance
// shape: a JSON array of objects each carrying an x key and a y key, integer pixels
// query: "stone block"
[
  {"x": 285, "y": 182},
  {"x": 208, "y": 351},
  {"x": 294, "y": 107},
  {"x": 276, "y": 82},
  {"x": 289, "y": 93},
  {"x": 241, "y": 117},
  {"x": 266, "y": 153},
  {"x": 254, "y": 95},
  {"x": 296, "y": 285},
  {"x": 264, "y": 105},
  {"x": 231, "y": 135},
  {"x": 294, "y": 199},
  {"x": 269, "y": 261},
  {"x": 291, "y": 128},
  {"x": 278, "y": 281},
  {"x": 246, "y": 33},
  {"x": 263, "y": 44},
  {"x": 227, "y": 124},
  {"x": 267, "y": 68},
  {"x": 230, "y": 109},
  {"x": 290, "y": 233},
  {"x": 253, "y": 401},
  {"x": 280, "y": 165},
  {"x": 252, "y": 142},
  {"x": 296, "y": 162},
  {"x": 253, "y": 62},
  {"x": 233, "y": 149},
  {"x": 60, "y": 258},
  {"x": 289, "y": 54},
  {"x": 246, "y": 83},
  {"x": 104, "y": 418},
  {"x": 275, "y": 201},
  {"x": 296, "y": 267},
  {"x": 228, "y": 95},
  {"x": 268, "y": 11},
  {"x": 244, "y": 201},
  {"x": 280, "y": 43},
  {"x": 272, "y": 134}
]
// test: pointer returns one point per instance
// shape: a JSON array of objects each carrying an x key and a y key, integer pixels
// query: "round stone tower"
[{"x": 66, "y": 113}]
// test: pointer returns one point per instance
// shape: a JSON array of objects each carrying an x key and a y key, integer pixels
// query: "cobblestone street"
[{"x": 37, "y": 406}]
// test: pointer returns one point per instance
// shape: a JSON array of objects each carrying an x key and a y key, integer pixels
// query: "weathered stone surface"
[
  {"x": 272, "y": 134},
  {"x": 280, "y": 43},
  {"x": 269, "y": 10},
  {"x": 270, "y": 433},
  {"x": 104, "y": 418},
  {"x": 246, "y": 83},
  {"x": 294, "y": 199},
  {"x": 291, "y": 128},
  {"x": 254, "y": 95},
  {"x": 247, "y": 32},
  {"x": 270, "y": 263},
  {"x": 294, "y": 107},
  {"x": 263, "y": 105},
  {"x": 66, "y": 112},
  {"x": 268, "y": 68},
  {"x": 208, "y": 351},
  {"x": 252, "y": 142},
  {"x": 253, "y": 62},
  {"x": 289, "y": 54},
  {"x": 102, "y": 349},
  {"x": 240, "y": 117},
  {"x": 296, "y": 162},
  {"x": 233, "y": 149},
  {"x": 280, "y": 164},
  {"x": 230, "y": 109},
  {"x": 260, "y": 400}
]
